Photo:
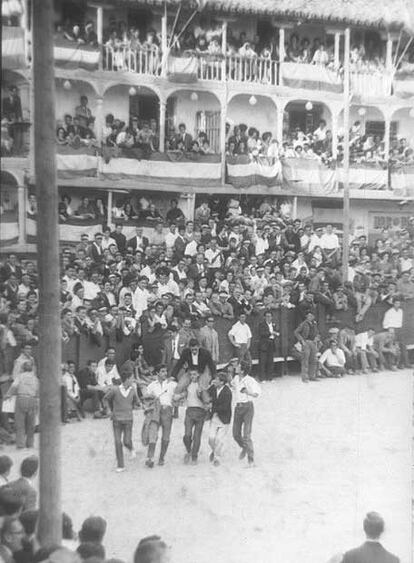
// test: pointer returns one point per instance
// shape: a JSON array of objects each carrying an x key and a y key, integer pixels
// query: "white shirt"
[
  {"x": 393, "y": 318},
  {"x": 240, "y": 332},
  {"x": 193, "y": 396},
  {"x": 329, "y": 241},
  {"x": 247, "y": 382},
  {"x": 91, "y": 290},
  {"x": 71, "y": 384},
  {"x": 106, "y": 243},
  {"x": 213, "y": 257},
  {"x": 140, "y": 301},
  {"x": 170, "y": 239},
  {"x": 162, "y": 390},
  {"x": 104, "y": 377},
  {"x": 170, "y": 287},
  {"x": 331, "y": 359},
  {"x": 362, "y": 340},
  {"x": 191, "y": 248}
]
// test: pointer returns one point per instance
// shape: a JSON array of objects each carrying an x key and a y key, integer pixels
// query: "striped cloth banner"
[
  {"x": 402, "y": 181},
  {"x": 70, "y": 231},
  {"x": 182, "y": 69},
  {"x": 75, "y": 165},
  {"x": 9, "y": 228},
  {"x": 313, "y": 77},
  {"x": 403, "y": 84},
  {"x": 69, "y": 54},
  {"x": 198, "y": 173},
  {"x": 12, "y": 44},
  {"x": 244, "y": 173},
  {"x": 308, "y": 176},
  {"x": 365, "y": 176}
]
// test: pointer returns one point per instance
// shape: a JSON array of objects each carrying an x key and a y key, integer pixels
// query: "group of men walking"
[{"x": 209, "y": 397}]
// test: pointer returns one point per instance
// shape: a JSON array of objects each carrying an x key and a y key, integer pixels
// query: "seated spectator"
[
  {"x": 85, "y": 210},
  {"x": 182, "y": 138},
  {"x": 333, "y": 360},
  {"x": 83, "y": 110}
]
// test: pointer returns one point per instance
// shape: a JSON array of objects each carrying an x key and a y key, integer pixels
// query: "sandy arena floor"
[{"x": 326, "y": 453}]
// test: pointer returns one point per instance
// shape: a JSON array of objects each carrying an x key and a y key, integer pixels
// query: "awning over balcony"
[
  {"x": 403, "y": 84},
  {"x": 13, "y": 52}
]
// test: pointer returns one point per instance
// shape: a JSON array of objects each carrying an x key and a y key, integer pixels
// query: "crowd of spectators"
[
  {"x": 315, "y": 145},
  {"x": 231, "y": 259},
  {"x": 19, "y": 515},
  {"x": 77, "y": 130}
]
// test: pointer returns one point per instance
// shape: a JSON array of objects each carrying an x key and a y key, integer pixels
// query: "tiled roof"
[{"x": 382, "y": 13}]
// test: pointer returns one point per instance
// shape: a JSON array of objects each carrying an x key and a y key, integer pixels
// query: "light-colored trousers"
[{"x": 217, "y": 436}]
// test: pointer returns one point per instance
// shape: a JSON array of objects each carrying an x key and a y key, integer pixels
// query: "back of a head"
[
  {"x": 150, "y": 550},
  {"x": 373, "y": 525},
  {"x": 5, "y": 464},
  {"x": 29, "y": 518},
  {"x": 93, "y": 529},
  {"x": 90, "y": 549},
  {"x": 10, "y": 502},
  {"x": 29, "y": 466}
]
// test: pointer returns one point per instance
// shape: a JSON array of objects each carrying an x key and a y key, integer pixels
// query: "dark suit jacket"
[
  {"x": 221, "y": 404},
  {"x": 25, "y": 492},
  {"x": 265, "y": 342},
  {"x": 370, "y": 552},
  {"x": 96, "y": 253},
  {"x": 120, "y": 240},
  {"x": 204, "y": 360},
  {"x": 134, "y": 243}
]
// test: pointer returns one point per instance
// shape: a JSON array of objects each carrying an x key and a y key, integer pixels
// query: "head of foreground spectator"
[
  {"x": 93, "y": 530},
  {"x": 29, "y": 467},
  {"x": 87, "y": 550},
  {"x": 5, "y": 466},
  {"x": 152, "y": 550},
  {"x": 373, "y": 525}
]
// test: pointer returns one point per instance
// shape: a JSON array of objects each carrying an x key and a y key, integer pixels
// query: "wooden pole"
[
  {"x": 346, "y": 211},
  {"x": 50, "y": 510}
]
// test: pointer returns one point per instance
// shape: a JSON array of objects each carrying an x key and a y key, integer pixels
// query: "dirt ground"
[{"x": 326, "y": 453}]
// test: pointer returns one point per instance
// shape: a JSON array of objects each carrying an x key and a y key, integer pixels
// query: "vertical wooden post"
[
  {"x": 224, "y": 49},
  {"x": 280, "y": 113},
  {"x": 99, "y": 33},
  {"x": 223, "y": 121},
  {"x": 109, "y": 209},
  {"x": 163, "y": 110},
  {"x": 281, "y": 44},
  {"x": 387, "y": 140},
  {"x": 334, "y": 129},
  {"x": 346, "y": 211},
  {"x": 21, "y": 212},
  {"x": 99, "y": 120},
  {"x": 388, "y": 55},
  {"x": 336, "y": 51},
  {"x": 50, "y": 509}
]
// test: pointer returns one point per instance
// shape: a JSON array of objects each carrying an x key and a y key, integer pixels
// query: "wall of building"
[{"x": 262, "y": 115}]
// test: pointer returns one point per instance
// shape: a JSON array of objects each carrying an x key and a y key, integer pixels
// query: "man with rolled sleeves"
[{"x": 307, "y": 333}]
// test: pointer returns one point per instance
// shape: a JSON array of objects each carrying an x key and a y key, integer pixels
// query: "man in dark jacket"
[
  {"x": 371, "y": 551},
  {"x": 195, "y": 358},
  {"x": 268, "y": 332},
  {"x": 221, "y": 415}
]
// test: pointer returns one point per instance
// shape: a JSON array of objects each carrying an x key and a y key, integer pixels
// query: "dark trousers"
[
  {"x": 95, "y": 395},
  {"x": 242, "y": 427},
  {"x": 400, "y": 339},
  {"x": 193, "y": 428},
  {"x": 122, "y": 429},
  {"x": 309, "y": 362},
  {"x": 25, "y": 420},
  {"x": 266, "y": 357}
]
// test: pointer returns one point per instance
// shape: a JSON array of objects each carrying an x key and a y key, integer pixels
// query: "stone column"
[
  {"x": 163, "y": 110},
  {"x": 99, "y": 119}
]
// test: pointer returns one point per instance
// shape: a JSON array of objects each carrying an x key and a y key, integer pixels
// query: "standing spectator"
[
  {"x": 371, "y": 550},
  {"x": 209, "y": 338},
  {"x": 268, "y": 332},
  {"x": 364, "y": 342},
  {"x": 182, "y": 138},
  {"x": 26, "y": 388},
  {"x": 221, "y": 397},
  {"x": 240, "y": 336},
  {"x": 393, "y": 318},
  {"x": 307, "y": 333}
]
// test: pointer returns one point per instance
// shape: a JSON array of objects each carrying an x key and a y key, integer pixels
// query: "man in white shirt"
[
  {"x": 195, "y": 416},
  {"x": 140, "y": 296},
  {"x": 91, "y": 287},
  {"x": 393, "y": 318},
  {"x": 240, "y": 336},
  {"x": 330, "y": 245},
  {"x": 245, "y": 389},
  {"x": 171, "y": 236},
  {"x": 333, "y": 360},
  {"x": 167, "y": 285},
  {"x": 107, "y": 372},
  {"x": 159, "y": 414},
  {"x": 364, "y": 343}
]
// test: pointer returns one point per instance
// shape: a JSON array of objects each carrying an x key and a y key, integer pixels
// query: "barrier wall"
[{"x": 83, "y": 348}]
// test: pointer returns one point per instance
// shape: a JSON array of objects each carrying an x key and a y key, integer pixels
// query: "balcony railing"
[
  {"x": 375, "y": 84},
  {"x": 257, "y": 70},
  {"x": 146, "y": 60}
]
